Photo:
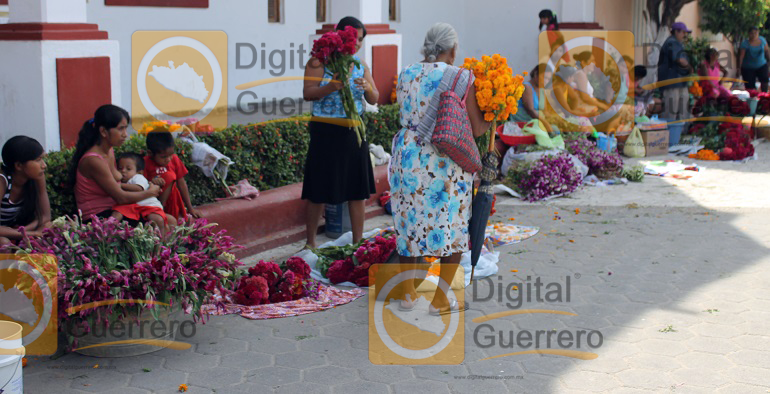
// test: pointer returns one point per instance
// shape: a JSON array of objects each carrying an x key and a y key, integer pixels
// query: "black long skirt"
[{"x": 337, "y": 169}]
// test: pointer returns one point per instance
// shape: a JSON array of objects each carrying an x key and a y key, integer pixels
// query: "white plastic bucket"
[{"x": 11, "y": 353}]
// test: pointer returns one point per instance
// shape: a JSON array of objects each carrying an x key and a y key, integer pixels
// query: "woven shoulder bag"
[{"x": 453, "y": 135}]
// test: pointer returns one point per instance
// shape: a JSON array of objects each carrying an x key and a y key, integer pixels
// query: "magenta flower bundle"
[
  {"x": 107, "y": 260},
  {"x": 548, "y": 176},
  {"x": 268, "y": 283},
  {"x": 604, "y": 165}
]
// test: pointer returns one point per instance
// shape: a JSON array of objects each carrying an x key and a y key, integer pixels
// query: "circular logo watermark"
[
  {"x": 379, "y": 308},
  {"x": 606, "y": 47},
  {"x": 9, "y": 308},
  {"x": 144, "y": 65}
]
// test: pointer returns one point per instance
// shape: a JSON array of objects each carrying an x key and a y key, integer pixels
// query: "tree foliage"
[{"x": 734, "y": 18}]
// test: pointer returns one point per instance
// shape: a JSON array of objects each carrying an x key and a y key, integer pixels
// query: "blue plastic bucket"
[
  {"x": 675, "y": 133},
  {"x": 753, "y": 106},
  {"x": 337, "y": 220}
]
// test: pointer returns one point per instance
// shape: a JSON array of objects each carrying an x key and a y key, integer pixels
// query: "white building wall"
[
  {"x": 243, "y": 21},
  {"x": 507, "y": 27}
]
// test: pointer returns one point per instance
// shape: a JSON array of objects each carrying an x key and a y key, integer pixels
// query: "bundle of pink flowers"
[
  {"x": 268, "y": 283},
  {"x": 356, "y": 268}
]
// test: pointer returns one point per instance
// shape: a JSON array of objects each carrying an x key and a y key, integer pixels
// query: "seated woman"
[
  {"x": 531, "y": 103},
  {"x": 583, "y": 95},
  {"x": 711, "y": 68},
  {"x": 567, "y": 96},
  {"x": 22, "y": 187},
  {"x": 94, "y": 172}
]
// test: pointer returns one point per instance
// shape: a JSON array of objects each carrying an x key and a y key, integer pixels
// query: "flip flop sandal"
[{"x": 454, "y": 307}]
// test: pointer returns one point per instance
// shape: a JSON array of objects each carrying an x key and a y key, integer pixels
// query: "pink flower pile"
[
  {"x": 356, "y": 268},
  {"x": 109, "y": 260}
]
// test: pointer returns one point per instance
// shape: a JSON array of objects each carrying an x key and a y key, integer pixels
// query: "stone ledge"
[{"x": 277, "y": 216}]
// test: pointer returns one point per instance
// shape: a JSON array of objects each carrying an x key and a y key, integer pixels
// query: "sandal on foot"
[{"x": 454, "y": 307}]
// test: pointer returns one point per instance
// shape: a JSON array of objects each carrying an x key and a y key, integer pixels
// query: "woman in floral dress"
[{"x": 431, "y": 194}]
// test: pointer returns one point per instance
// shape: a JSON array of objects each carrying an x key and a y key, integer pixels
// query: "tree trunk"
[{"x": 662, "y": 14}]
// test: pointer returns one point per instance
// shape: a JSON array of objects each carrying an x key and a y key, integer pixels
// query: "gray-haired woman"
[{"x": 431, "y": 194}]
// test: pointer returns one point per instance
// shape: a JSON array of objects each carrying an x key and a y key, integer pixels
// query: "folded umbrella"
[{"x": 482, "y": 204}]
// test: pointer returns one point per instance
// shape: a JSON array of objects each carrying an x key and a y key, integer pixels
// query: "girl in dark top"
[{"x": 22, "y": 187}]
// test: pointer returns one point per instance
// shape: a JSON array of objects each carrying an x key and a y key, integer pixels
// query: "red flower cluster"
[
  {"x": 356, "y": 268},
  {"x": 739, "y": 107},
  {"x": 268, "y": 283},
  {"x": 710, "y": 105},
  {"x": 737, "y": 143},
  {"x": 341, "y": 42}
]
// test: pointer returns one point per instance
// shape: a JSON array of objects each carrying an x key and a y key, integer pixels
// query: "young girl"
[
  {"x": 548, "y": 21},
  {"x": 711, "y": 68},
  {"x": 22, "y": 187},
  {"x": 165, "y": 169},
  {"x": 131, "y": 167}
]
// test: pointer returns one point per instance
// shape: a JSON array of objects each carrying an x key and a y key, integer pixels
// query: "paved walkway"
[{"x": 679, "y": 293}]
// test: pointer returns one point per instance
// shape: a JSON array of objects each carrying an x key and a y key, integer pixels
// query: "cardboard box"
[{"x": 655, "y": 142}]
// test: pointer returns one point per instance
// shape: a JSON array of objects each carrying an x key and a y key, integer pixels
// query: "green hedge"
[{"x": 269, "y": 156}]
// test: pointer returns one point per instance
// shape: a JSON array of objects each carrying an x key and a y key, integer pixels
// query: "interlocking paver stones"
[
  {"x": 191, "y": 362},
  {"x": 705, "y": 378},
  {"x": 297, "y": 332},
  {"x": 590, "y": 381},
  {"x": 330, "y": 375},
  {"x": 722, "y": 351},
  {"x": 324, "y": 344},
  {"x": 361, "y": 386},
  {"x": 477, "y": 386},
  {"x": 386, "y": 373},
  {"x": 158, "y": 379},
  {"x": 441, "y": 373},
  {"x": 304, "y": 388},
  {"x": 652, "y": 361},
  {"x": 741, "y": 388},
  {"x": 222, "y": 346},
  {"x": 246, "y": 361},
  {"x": 216, "y": 378},
  {"x": 273, "y": 345},
  {"x": 750, "y": 375},
  {"x": 274, "y": 376},
  {"x": 419, "y": 386},
  {"x": 102, "y": 381},
  {"x": 645, "y": 379},
  {"x": 300, "y": 360}
]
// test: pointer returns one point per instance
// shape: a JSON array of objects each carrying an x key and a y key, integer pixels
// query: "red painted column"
[
  {"x": 384, "y": 69},
  {"x": 83, "y": 84}
]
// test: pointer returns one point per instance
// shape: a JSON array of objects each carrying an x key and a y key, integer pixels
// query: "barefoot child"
[
  {"x": 131, "y": 166},
  {"x": 165, "y": 169}
]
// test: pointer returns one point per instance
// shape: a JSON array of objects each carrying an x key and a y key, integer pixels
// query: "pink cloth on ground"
[{"x": 90, "y": 198}]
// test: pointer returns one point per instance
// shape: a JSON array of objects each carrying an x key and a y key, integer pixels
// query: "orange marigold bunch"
[
  {"x": 704, "y": 154},
  {"x": 497, "y": 90},
  {"x": 696, "y": 90}
]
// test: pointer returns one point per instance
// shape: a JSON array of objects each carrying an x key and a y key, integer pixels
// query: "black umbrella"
[{"x": 482, "y": 203}]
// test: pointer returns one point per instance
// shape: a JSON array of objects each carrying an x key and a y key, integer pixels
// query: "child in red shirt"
[{"x": 164, "y": 168}]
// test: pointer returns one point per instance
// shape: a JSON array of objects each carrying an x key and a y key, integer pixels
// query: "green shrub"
[{"x": 269, "y": 156}]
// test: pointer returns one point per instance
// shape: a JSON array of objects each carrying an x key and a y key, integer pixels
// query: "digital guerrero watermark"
[{"x": 179, "y": 75}]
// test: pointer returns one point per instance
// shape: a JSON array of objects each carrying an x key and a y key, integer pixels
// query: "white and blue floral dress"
[{"x": 431, "y": 194}]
